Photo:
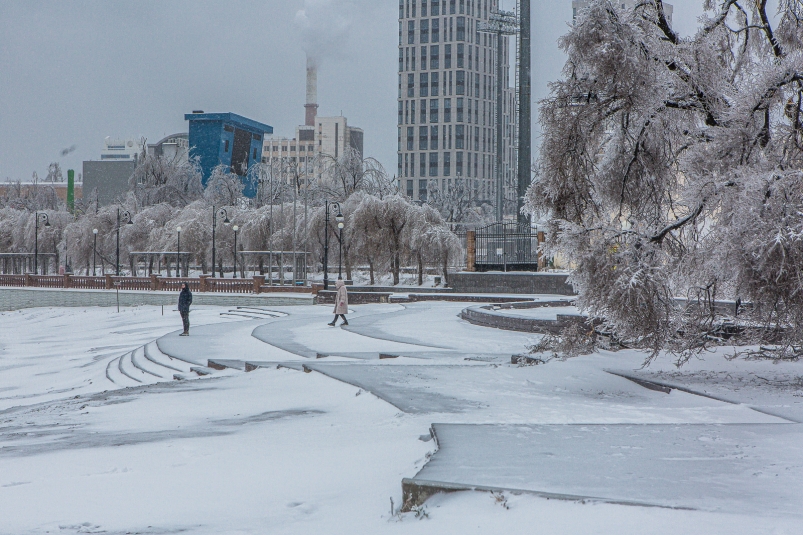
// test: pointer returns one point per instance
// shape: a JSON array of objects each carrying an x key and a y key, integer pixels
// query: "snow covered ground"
[{"x": 96, "y": 437}]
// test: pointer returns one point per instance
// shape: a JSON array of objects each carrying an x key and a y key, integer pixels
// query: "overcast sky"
[{"x": 73, "y": 72}]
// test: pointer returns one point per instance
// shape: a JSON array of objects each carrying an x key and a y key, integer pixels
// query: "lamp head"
[
  {"x": 340, "y": 225},
  {"x": 47, "y": 222},
  {"x": 178, "y": 229},
  {"x": 94, "y": 231},
  {"x": 235, "y": 228},
  {"x": 226, "y": 221},
  {"x": 339, "y": 217}
]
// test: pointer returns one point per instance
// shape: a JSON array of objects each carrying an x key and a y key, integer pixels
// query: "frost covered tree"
[
  {"x": 671, "y": 168},
  {"x": 161, "y": 179},
  {"x": 224, "y": 188},
  {"x": 351, "y": 172}
]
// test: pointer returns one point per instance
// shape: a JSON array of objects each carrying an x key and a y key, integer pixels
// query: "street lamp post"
[
  {"x": 340, "y": 226},
  {"x": 339, "y": 219},
  {"x": 235, "y": 228},
  {"x": 43, "y": 217},
  {"x": 94, "y": 251},
  {"x": 126, "y": 215},
  {"x": 178, "y": 252},
  {"x": 226, "y": 221}
]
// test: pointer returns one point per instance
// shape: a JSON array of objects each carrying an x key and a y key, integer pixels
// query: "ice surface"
[{"x": 732, "y": 468}]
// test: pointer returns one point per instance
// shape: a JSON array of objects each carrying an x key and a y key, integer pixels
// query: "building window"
[
  {"x": 458, "y": 167},
  {"x": 460, "y": 83},
  {"x": 435, "y": 79},
  {"x": 424, "y": 38},
  {"x": 447, "y": 110},
  {"x": 423, "y": 111},
  {"x": 401, "y": 59},
  {"x": 423, "y": 58},
  {"x": 399, "y": 173},
  {"x": 423, "y": 140},
  {"x": 422, "y": 189},
  {"x": 410, "y": 188},
  {"x": 447, "y": 56},
  {"x": 460, "y": 110},
  {"x": 461, "y": 28},
  {"x": 451, "y": 7},
  {"x": 411, "y": 32},
  {"x": 434, "y": 57},
  {"x": 412, "y": 165},
  {"x": 412, "y": 112},
  {"x": 433, "y": 164},
  {"x": 411, "y": 85},
  {"x": 461, "y": 55},
  {"x": 255, "y": 155},
  {"x": 410, "y": 137},
  {"x": 436, "y": 5},
  {"x": 401, "y": 111},
  {"x": 423, "y": 83},
  {"x": 459, "y": 136},
  {"x": 401, "y": 9},
  {"x": 477, "y": 85},
  {"x": 436, "y": 30},
  {"x": 433, "y": 138},
  {"x": 433, "y": 110},
  {"x": 422, "y": 168},
  {"x": 447, "y": 164},
  {"x": 462, "y": 7},
  {"x": 292, "y": 148},
  {"x": 226, "y": 146}
]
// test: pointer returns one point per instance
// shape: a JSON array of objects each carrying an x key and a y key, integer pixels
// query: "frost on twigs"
[
  {"x": 671, "y": 175},
  {"x": 573, "y": 341}
]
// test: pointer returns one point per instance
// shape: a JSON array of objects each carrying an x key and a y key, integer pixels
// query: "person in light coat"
[
  {"x": 341, "y": 303},
  {"x": 184, "y": 302}
]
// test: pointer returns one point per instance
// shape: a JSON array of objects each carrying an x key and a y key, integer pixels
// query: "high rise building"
[
  {"x": 577, "y": 5},
  {"x": 447, "y": 100}
]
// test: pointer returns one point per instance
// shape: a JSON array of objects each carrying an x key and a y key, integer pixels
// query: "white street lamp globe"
[
  {"x": 178, "y": 229},
  {"x": 340, "y": 225},
  {"x": 94, "y": 231},
  {"x": 235, "y": 228}
]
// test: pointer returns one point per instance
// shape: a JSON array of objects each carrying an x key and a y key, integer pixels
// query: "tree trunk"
[
  {"x": 371, "y": 270},
  {"x": 220, "y": 267},
  {"x": 420, "y": 269},
  {"x": 396, "y": 267}
]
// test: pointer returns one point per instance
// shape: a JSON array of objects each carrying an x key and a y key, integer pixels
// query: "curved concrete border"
[{"x": 487, "y": 316}]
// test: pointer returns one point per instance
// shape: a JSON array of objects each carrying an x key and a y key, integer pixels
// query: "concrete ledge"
[
  {"x": 327, "y": 297},
  {"x": 484, "y": 317},
  {"x": 511, "y": 283},
  {"x": 18, "y": 298}
]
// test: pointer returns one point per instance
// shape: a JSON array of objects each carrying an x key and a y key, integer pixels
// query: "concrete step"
[
  {"x": 127, "y": 368},
  {"x": 202, "y": 370},
  {"x": 175, "y": 364},
  {"x": 115, "y": 376},
  {"x": 223, "y": 364},
  {"x": 146, "y": 366}
]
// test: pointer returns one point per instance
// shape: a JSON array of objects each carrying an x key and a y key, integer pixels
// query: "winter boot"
[
  {"x": 345, "y": 322},
  {"x": 331, "y": 324}
]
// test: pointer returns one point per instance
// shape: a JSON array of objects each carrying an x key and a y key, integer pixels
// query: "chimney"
[{"x": 311, "y": 107}]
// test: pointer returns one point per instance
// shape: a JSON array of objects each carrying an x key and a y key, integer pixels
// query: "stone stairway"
[{"x": 148, "y": 365}]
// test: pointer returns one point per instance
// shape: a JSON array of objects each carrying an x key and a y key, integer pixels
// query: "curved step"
[
  {"x": 144, "y": 365},
  {"x": 154, "y": 355},
  {"x": 115, "y": 376},
  {"x": 243, "y": 315},
  {"x": 127, "y": 368}
]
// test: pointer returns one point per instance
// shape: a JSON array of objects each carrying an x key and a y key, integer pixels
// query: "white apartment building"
[
  {"x": 329, "y": 136},
  {"x": 577, "y": 5},
  {"x": 447, "y": 99},
  {"x": 117, "y": 149}
]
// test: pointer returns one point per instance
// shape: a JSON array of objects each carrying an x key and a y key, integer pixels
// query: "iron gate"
[{"x": 506, "y": 247}]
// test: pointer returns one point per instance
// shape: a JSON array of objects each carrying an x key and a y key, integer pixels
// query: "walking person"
[
  {"x": 184, "y": 302},
  {"x": 341, "y": 303}
]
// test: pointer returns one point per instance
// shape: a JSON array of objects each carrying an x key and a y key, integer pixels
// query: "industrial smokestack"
[{"x": 311, "y": 107}]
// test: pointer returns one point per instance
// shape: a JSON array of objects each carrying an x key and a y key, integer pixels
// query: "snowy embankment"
[{"x": 281, "y": 451}]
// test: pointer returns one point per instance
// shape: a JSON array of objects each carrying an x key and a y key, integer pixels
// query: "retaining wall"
[
  {"x": 17, "y": 298},
  {"x": 511, "y": 283}
]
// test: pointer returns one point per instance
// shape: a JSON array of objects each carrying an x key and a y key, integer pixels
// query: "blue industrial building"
[{"x": 228, "y": 139}]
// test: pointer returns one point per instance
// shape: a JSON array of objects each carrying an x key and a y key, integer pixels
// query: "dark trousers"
[
  {"x": 185, "y": 319},
  {"x": 342, "y": 316}
]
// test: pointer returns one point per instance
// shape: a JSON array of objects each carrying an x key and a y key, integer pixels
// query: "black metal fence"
[{"x": 506, "y": 247}]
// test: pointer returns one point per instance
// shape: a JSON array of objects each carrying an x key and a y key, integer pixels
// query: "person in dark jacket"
[{"x": 184, "y": 302}]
